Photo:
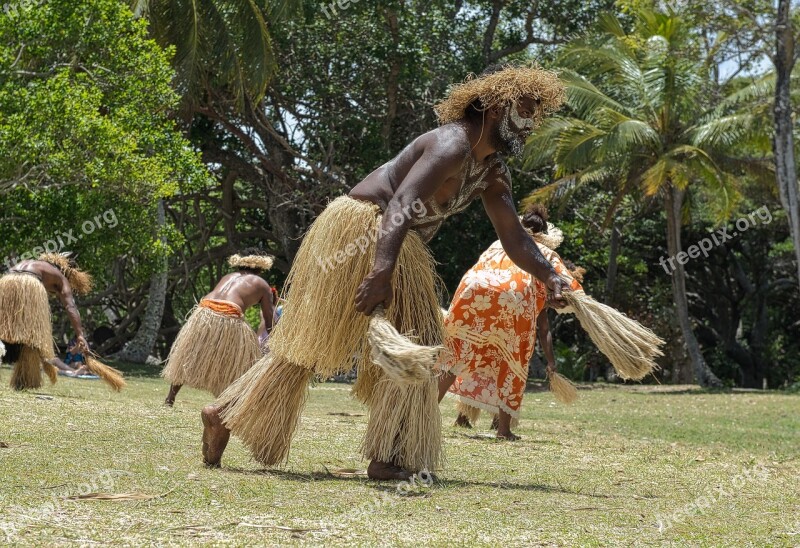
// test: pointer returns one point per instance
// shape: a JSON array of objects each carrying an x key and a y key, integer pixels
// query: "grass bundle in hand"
[
  {"x": 51, "y": 371},
  {"x": 563, "y": 390},
  {"x": 630, "y": 347},
  {"x": 111, "y": 376},
  {"x": 403, "y": 361}
]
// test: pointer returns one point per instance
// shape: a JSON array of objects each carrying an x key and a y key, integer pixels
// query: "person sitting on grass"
[{"x": 216, "y": 346}]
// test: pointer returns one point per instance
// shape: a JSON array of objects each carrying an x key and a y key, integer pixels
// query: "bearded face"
[{"x": 511, "y": 131}]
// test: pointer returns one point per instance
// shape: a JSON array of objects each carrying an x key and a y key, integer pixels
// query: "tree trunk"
[
  {"x": 783, "y": 142},
  {"x": 611, "y": 271},
  {"x": 289, "y": 224},
  {"x": 139, "y": 349},
  {"x": 674, "y": 204}
]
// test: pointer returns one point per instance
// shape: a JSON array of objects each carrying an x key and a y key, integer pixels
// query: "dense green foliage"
[{"x": 87, "y": 144}]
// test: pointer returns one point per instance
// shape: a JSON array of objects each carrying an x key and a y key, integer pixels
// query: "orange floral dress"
[{"x": 491, "y": 330}]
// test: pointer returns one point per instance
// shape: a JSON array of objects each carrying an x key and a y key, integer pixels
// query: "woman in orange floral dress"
[{"x": 492, "y": 325}]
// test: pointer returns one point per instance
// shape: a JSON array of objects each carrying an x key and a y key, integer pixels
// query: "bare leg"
[
  {"x": 173, "y": 391},
  {"x": 463, "y": 421},
  {"x": 446, "y": 380},
  {"x": 215, "y": 436},
  {"x": 504, "y": 427}
]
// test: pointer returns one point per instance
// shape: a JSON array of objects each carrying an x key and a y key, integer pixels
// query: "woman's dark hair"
[{"x": 535, "y": 218}]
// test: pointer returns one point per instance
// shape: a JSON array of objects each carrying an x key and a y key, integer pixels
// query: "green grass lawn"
[{"x": 602, "y": 472}]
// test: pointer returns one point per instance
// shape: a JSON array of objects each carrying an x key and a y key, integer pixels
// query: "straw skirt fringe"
[
  {"x": 27, "y": 372},
  {"x": 25, "y": 314},
  {"x": 321, "y": 333},
  {"x": 211, "y": 351}
]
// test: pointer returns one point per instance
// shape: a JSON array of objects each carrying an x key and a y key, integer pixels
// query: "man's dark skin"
[
  {"x": 429, "y": 169},
  {"x": 57, "y": 284},
  {"x": 244, "y": 288}
]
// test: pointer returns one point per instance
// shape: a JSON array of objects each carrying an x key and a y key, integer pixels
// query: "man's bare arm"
[
  {"x": 546, "y": 338},
  {"x": 437, "y": 164},
  {"x": 267, "y": 308},
  {"x": 517, "y": 243},
  {"x": 68, "y": 302}
]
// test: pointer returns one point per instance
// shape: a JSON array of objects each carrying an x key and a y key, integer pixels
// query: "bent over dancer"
[
  {"x": 216, "y": 346},
  {"x": 368, "y": 249},
  {"x": 25, "y": 325}
]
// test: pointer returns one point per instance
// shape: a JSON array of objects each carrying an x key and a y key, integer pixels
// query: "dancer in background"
[
  {"x": 492, "y": 325},
  {"x": 216, "y": 346},
  {"x": 25, "y": 325}
]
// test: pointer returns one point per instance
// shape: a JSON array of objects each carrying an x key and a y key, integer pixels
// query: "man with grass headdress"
[
  {"x": 368, "y": 249},
  {"x": 25, "y": 325},
  {"x": 216, "y": 346}
]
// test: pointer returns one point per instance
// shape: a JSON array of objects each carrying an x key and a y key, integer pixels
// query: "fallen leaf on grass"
[
  {"x": 280, "y": 527},
  {"x": 118, "y": 496},
  {"x": 347, "y": 473},
  {"x": 480, "y": 436},
  {"x": 596, "y": 508}
]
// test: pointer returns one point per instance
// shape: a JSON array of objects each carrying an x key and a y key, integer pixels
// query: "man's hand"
[
  {"x": 555, "y": 286},
  {"x": 374, "y": 290},
  {"x": 82, "y": 344}
]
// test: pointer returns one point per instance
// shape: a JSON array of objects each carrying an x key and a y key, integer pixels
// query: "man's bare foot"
[
  {"x": 387, "y": 471},
  {"x": 173, "y": 392},
  {"x": 462, "y": 421},
  {"x": 215, "y": 436},
  {"x": 507, "y": 436}
]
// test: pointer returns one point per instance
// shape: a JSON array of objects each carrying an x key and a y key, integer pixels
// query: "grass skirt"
[
  {"x": 27, "y": 373},
  {"x": 25, "y": 314},
  {"x": 321, "y": 333},
  {"x": 211, "y": 351}
]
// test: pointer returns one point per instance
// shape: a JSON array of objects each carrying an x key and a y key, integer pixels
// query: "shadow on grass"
[{"x": 391, "y": 485}]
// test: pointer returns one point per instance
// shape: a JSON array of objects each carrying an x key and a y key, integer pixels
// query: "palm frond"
[
  {"x": 541, "y": 146},
  {"x": 655, "y": 177},
  {"x": 575, "y": 146},
  {"x": 585, "y": 98},
  {"x": 722, "y": 131}
]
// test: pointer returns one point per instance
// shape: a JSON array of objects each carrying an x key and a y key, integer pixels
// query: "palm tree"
[
  {"x": 636, "y": 123},
  {"x": 223, "y": 48}
]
